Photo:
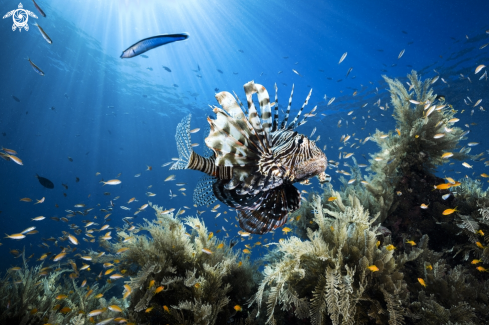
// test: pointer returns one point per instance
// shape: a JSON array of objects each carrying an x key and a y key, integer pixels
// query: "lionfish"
[{"x": 255, "y": 160}]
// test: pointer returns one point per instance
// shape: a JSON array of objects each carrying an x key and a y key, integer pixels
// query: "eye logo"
[{"x": 20, "y": 17}]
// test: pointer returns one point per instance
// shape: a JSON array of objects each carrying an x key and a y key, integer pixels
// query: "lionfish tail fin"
[{"x": 184, "y": 146}]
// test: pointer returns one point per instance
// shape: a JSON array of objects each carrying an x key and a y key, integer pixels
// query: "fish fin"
[
  {"x": 184, "y": 145},
  {"x": 203, "y": 194},
  {"x": 233, "y": 141},
  {"x": 284, "y": 122},
  {"x": 273, "y": 211},
  {"x": 275, "y": 118},
  {"x": 292, "y": 124},
  {"x": 250, "y": 88},
  {"x": 206, "y": 151}
]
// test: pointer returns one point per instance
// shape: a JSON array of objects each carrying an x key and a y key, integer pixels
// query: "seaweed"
[{"x": 188, "y": 278}]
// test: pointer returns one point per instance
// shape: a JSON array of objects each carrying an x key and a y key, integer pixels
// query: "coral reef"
[{"x": 182, "y": 278}]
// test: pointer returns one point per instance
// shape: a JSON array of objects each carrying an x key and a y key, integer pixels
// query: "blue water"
[{"x": 116, "y": 116}]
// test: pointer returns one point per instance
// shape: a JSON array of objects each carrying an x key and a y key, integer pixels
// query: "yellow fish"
[
  {"x": 480, "y": 232},
  {"x": 373, "y": 268},
  {"x": 238, "y": 308},
  {"x": 332, "y": 198},
  {"x": 390, "y": 247},
  {"x": 429, "y": 267},
  {"x": 475, "y": 261},
  {"x": 246, "y": 251},
  {"x": 479, "y": 245},
  {"x": 421, "y": 281},
  {"x": 221, "y": 245},
  {"x": 481, "y": 269},
  {"x": 411, "y": 242},
  {"x": 286, "y": 230},
  {"x": 447, "y": 155},
  {"x": 449, "y": 211}
]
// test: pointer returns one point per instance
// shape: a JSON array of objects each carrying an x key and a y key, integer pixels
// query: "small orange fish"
[
  {"x": 332, "y": 198},
  {"x": 447, "y": 155},
  {"x": 221, "y": 245},
  {"x": 60, "y": 297},
  {"x": 424, "y": 206},
  {"x": 373, "y": 268},
  {"x": 390, "y": 247},
  {"x": 286, "y": 230},
  {"x": 377, "y": 243},
  {"x": 411, "y": 242},
  {"x": 449, "y": 211},
  {"x": 115, "y": 308},
  {"x": 246, "y": 251},
  {"x": 65, "y": 310},
  {"x": 238, "y": 308},
  {"x": 429, "y": 267},
  {"x": 481, "y": 269},
  {"x": 159, "y": 289},
  {"x": 398, "y": 132},
  {"x": 479, "y": 245},
  {"x": 166, "y": 309},
  {"x": 149, "y": 309},
  {"x": 197, "y": 285},
  {"x": 444, "y": 186},
  {"x": 475, "y": 261},
  {"x": 480, "y": 232},
  {"x": 421, "y": 281}
]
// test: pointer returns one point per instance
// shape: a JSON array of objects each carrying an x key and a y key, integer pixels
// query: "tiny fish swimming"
[{"x": 255, "y": 159}]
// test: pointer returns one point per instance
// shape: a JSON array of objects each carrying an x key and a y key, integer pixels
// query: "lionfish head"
[{"x": 308, "y": 160}]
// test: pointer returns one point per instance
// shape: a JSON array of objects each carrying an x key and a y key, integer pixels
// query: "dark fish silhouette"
[
  {"x": 219, "y": 71},
  {"x": 77, "y": 179},
  {"x": 16, "y": 99},
  {"x": 45, "y": 182},
  {"x": 166, "y": 68},
  {"x": 216, "y": 89},
  {"x": 151, "y": 43},
  {"x": 175, "y": 85},
  {"x": 144, "y": 56}
]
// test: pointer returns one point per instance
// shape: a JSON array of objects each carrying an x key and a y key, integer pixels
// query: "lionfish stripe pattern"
[{"x": 255, "y": 162}]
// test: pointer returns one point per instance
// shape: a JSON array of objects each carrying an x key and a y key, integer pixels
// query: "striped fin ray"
[
  {"x": 292, "y": 124},
  {"x": 284, "y": 122},
  {"x": 306, "y": 116},
  {"x": 272, "y": 212},
  {"x": 231, "y": 144},
  {"x": 265, "y": 110},
  {"x": 253, "y": 116},
  {"x": 275, "y": 118},
  {"x": 229, "y": 104},
  {"x": 240, "y": 103}
]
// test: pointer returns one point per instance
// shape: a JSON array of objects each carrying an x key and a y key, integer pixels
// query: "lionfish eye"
[{"x": 300, "y": 140}]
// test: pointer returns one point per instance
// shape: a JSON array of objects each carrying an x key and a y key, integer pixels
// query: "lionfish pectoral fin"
[
  {"x": 234, "y": 200},
  {"x": 184, "y": 145},
  {"x": 203, "y": 194},
  {"x": 272, "y": 212}
]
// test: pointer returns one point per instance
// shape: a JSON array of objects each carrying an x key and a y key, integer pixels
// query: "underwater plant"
[
  {"x": 37, "y": 295},
  {"x": 340, "y": 272},
  {"x": 180, "y": 278}
]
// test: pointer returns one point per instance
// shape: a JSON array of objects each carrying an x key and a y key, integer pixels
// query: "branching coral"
[{"x": 187, "y": 278}]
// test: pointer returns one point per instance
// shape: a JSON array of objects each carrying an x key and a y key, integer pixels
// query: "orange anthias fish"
[
  {"x": 449, "y": 211},
  {"x": 444, "y": 186},
  {"x": 373, "y": 268},
  {"x": 286, "y": 230},
  {"x": 479, "y": 245},
  {"x": 238, "y": 308},
  {"x": 481, "y": 269},
  {"x": 421, "y": 281}
]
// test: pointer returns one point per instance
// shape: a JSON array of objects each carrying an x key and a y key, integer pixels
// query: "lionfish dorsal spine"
[
  {"x": 304, "y": 120},
  {"x": 240, "y": 103},
  {"x": 284, "y": 122},
  {"x": 265, "y": 110},
  {"x": 275, "y": 118},
  {"x": 257, "y": 127},
  {"x": 292, "y": 124}
]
